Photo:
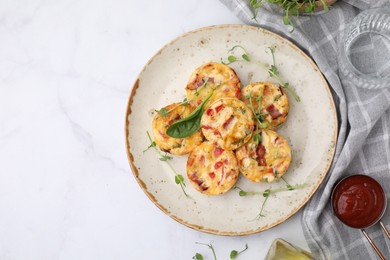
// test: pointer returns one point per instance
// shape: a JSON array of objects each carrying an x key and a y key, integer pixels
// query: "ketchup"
[{"x": 358, "y": 201}]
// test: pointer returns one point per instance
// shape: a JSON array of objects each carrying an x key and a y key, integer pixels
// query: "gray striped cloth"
[{"x": 364, "y": 119}]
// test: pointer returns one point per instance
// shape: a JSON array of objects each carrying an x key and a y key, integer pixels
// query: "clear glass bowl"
[{"x": 365, "y": 49}]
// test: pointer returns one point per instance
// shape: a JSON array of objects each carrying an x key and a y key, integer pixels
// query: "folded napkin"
[{"x": 363, "y": 144}]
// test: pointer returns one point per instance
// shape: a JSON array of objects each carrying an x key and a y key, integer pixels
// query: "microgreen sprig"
[
  {"x": 274, "y": 72},
  {"x": 209, "y": 246},
  {"x": 272, "y": 69},
  {"x": 198, "y": 256},
  {"x": 232, "y": 58},
  {"x": 266, "y": 193},
  {"x": 257, "y": 138},
  {"x": 179, "y": 179},
  {"x": 288, "y": 185},
  {"x": 234, "y": 253},
  {"x": 292, "y": 8},
  {"x": 257, "y": 115},
  {"x": 255, "y": 6}
]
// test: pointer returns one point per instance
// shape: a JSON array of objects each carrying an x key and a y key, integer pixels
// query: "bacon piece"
[
  {"x": 198, "y": 181},
  {"x": 281, "y": 90},
  {"x": 212, "y": 175},
  {"x": 218, "y": 151},
  {"x": 261, "y": 155},
  {"x": 252, "y": 153},
  {"x": 228, "y": 174},
  {"x": 203, "y": 188},
  {"x": 238, "y": 93},
  {"x": 219, "y": 108},
  {"x": 198, "y": 81},
  {"x": 170, "y": 122},
  {"x": 202, "y": 159},
  {"x": 207, "y": 127},
  {"x": 273, "y": 111},
  {"x": 195, "y": 178},
  {"x": 163, "y": 135},
  {"x": 228, "y": 122},
  {"x": 190, "y": 161},
  {"x": 209, "y": 112},
  {"x": 266, "y": 91},
  {"x": 216, "y": 132},
  {"x": 218, "y": 165}
]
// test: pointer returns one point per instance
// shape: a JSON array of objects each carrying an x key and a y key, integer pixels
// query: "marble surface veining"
[{"x": 66, "y": 189}]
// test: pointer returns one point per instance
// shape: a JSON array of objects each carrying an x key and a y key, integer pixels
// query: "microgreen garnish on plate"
[
  {"x": 259, "y": 117},
  {"x": 289, "y": 187},
  {"x": 197, "y": 256},
  {"x": 209, "y": 246},
  {"x": 257, "y": 138},
  {"x": 232, "y": 58},
  {"x": 266, "y": 193},
  {"x": 244, "y": 193},
  {"x": 163, "y": 111},
  {"x": 188, "y": 125},
  {"x": 235, "y": 253},
  {"x": 272, "y": 70},
  {"x": 179, "y": 179}
]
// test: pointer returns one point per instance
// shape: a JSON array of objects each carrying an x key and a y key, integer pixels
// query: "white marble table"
[{"x": 66, "y": 189}]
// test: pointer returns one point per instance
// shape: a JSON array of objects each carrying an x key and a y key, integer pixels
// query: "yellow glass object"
[{"x": 283, "y": 250}]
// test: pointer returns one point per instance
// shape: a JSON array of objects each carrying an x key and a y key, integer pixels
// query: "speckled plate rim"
[{"x": 198, "y": 227}]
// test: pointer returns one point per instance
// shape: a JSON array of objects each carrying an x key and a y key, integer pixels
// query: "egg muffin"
[
  {"x": 212, "y": 77},
  {"x": 269, "y": 100},
  {"x": 228, "y": 122},
  {"x": 265, "y": 158},
  {"x": 161, "y": 121},
  {"x": 212, "y": 170}
]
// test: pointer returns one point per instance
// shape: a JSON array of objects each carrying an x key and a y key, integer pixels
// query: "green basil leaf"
[{"x": 188, "y": 125}]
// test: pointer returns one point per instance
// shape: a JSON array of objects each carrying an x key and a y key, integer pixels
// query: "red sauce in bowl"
[{"x": 358, "y": 201}]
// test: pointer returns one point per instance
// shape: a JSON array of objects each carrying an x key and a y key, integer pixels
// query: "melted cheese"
[
  {"x": 228, "y": 122},
  {"x": 212, "y": 170},
  {"x": 274, "y": 162},
  {"x": 268, "y": 98},
  {"x": 222, "y": 81}
]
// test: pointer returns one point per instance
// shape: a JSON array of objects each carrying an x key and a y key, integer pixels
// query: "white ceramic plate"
[{"x": 311, "y": 129}]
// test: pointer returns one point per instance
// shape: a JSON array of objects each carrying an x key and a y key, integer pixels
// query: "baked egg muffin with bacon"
[
  {"x": 212, "y": 77},
  {"x": 212, "y": 170},
  {"x": 268, "y": 100},
  {"x": 265, "y": 158},
  {"x": 160, "y": 124},
  {"x": 228, "y": 122}
]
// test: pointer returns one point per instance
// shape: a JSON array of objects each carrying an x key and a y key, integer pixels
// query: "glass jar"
[{"x": 365, "y": 49}]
